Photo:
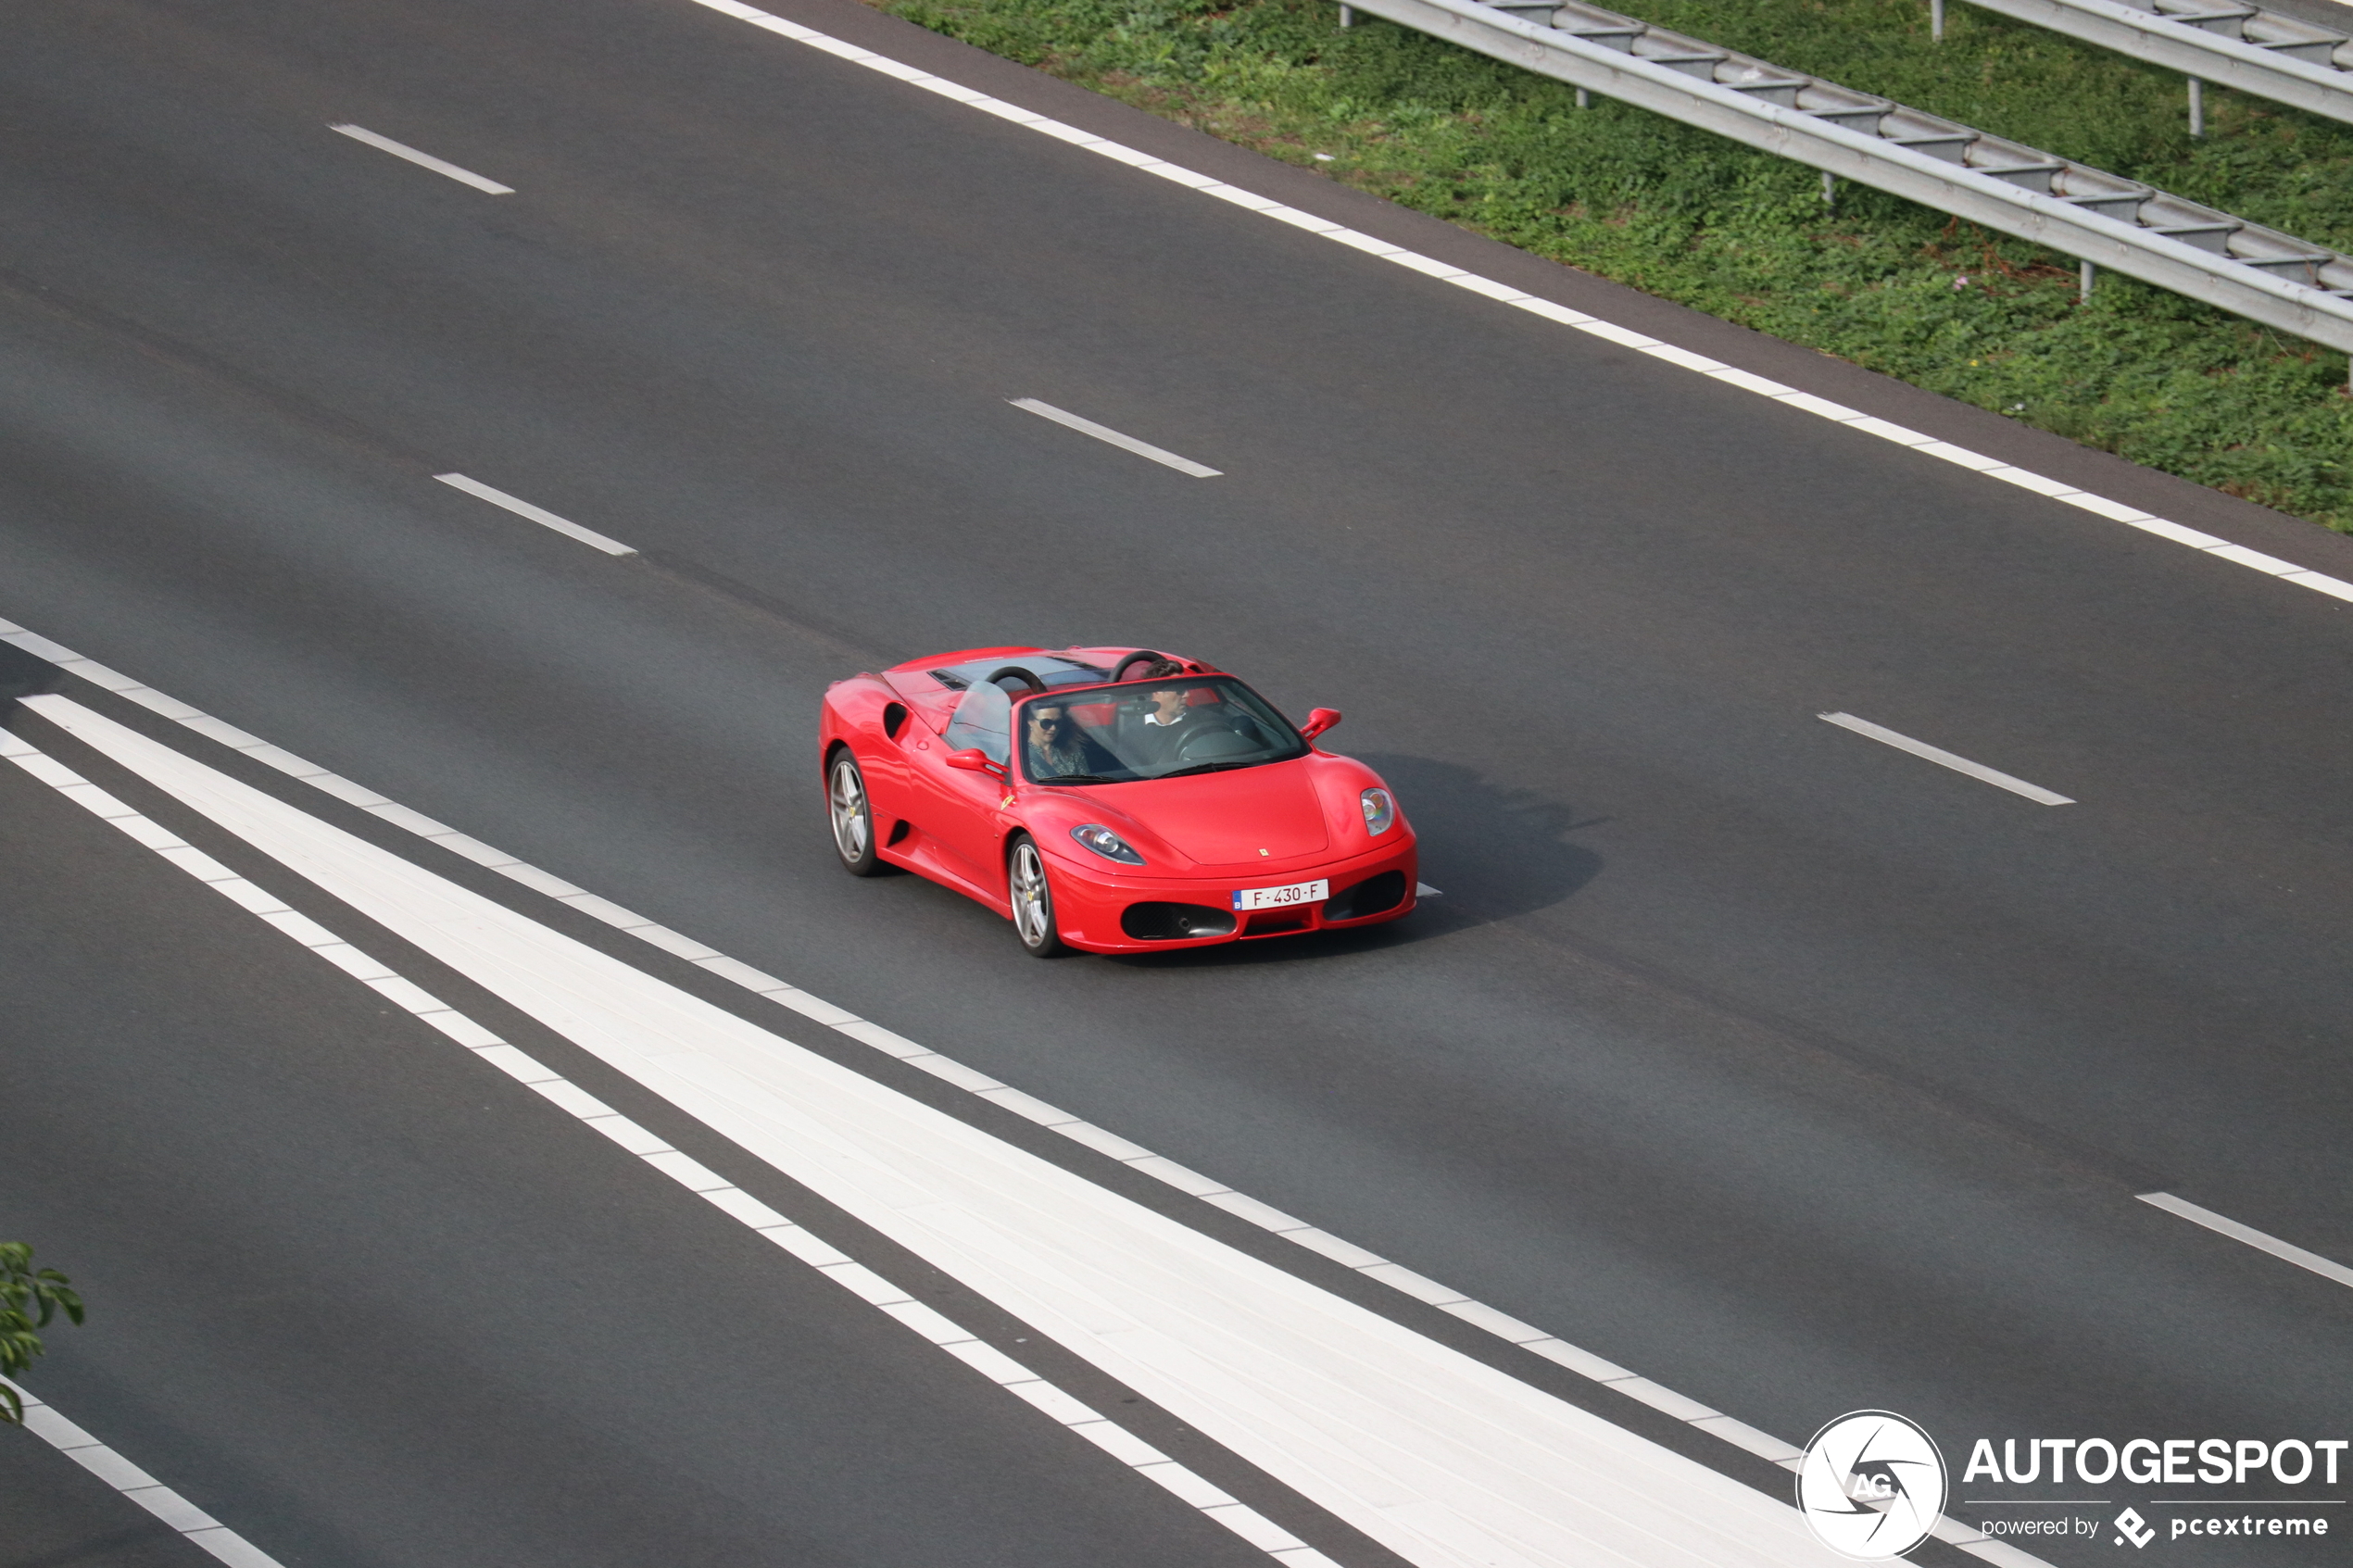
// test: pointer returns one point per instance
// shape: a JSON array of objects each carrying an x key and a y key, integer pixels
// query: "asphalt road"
[
  {"x": 1792, "y": 1072},
  {"x": 346, "y": 1279}
]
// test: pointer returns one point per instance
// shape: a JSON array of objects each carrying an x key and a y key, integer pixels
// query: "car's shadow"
[{"x": 1491, "y": 852}]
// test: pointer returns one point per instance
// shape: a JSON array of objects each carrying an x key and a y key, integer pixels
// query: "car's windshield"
[{"x": 1150, "y": 729}]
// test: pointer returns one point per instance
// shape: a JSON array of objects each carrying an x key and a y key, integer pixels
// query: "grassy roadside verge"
[{"x": 1694, "y": 218}]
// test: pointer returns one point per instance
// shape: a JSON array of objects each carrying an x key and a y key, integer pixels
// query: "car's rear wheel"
[
  {"x": 1033, "y": 899},
  {"x": 852, "y": 814}
]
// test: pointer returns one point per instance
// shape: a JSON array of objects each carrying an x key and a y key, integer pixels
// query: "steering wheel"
[{"x": 1212, "y": 745}]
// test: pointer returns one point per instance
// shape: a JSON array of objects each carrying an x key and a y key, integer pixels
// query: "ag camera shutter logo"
[{"x": 1871, "y": 1486}]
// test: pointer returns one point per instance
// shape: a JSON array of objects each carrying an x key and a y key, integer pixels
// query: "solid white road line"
[
  {"x": 539, "y": 515},
  {"x": 1440, "y": 1456},
  {"x": 1993, "y": 467},
  {"x": 2220, "y": 1225},
  {"x": 1478, "y": 1315},
  {"x": 201, "y": 1528},
  {"x": 423, "y": 160},
  {"x": 1104, "y": 433},
  {"x": 1944, "y": 758},
  {"x": 737, "y": 1204}
]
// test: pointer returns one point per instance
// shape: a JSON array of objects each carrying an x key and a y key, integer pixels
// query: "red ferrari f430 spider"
[{"x": 1114, "y": 799}]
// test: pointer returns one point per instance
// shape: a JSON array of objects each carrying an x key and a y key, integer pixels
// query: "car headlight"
[
  {"x": 1107, "y": 844},
  {"x": 1381, "y": 812}
]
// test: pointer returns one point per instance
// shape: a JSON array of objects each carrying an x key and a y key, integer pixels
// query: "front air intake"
[
  {"x": 1373, "y": 895},
  {"x": 1175, "y": 923}
]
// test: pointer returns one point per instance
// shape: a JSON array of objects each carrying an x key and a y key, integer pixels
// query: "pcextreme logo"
[{"x": 1871, "y": 1486}]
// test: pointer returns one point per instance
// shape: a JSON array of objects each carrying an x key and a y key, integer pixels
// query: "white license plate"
[{"x": 1282, "y": 897}]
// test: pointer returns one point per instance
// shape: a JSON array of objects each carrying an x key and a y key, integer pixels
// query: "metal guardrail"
[
  {"x": 2102, "y": 219},
  {"x": 2283, "y": 59}
]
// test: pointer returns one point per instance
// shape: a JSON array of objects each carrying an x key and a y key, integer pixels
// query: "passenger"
[{"x": 1058, "y": 748}]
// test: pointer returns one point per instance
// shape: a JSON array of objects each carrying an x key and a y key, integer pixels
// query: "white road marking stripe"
[
  {"x": 1437, "y": 1455},
  {"x": 1104, "y": 433},
  {"x": 423, "y": 160},
  {"x": 539, "y": 515},
  {"x": 1536, "y": 1341},
  {"x": 860, "y": 1281},
  {"x": 42, "y": 1419},
  {"x": 1503, "y": 292},
  {"x": 1947, "y": 759},
  {"x": 2220, "y": 1225},
  {"x": 1424, "y": 890}
]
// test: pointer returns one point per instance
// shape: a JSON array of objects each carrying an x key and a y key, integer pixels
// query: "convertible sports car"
[{"x": 1110, "y": 799}]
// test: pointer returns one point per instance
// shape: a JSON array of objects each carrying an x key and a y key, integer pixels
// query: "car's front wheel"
[
  {"x": 1033, "y": 900},
  {"x": 852, "y": 814}
]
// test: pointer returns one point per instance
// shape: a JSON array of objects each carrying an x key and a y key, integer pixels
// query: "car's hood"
[{"x": 1249, "y": 817}]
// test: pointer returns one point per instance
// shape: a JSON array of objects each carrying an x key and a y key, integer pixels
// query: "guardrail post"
[
  {"x": 1936, "y": 21},
  {"x": 1348, "y": 16},
  {"x": 1584, "y": 99},
  {"x": 2197, "y": 106},
  {"x": 2084, "y": 278},
  {"x": 1830, "y": 189}
]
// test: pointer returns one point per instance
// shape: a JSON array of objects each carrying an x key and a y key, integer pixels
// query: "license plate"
[{"x": 1282, "y": 897}]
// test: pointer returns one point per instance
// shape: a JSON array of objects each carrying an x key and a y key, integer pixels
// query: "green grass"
[{"x": 1694, "y": 218}]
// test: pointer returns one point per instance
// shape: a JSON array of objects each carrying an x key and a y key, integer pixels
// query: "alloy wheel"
[
  {"x": 1033, "y": 900},
  {"x": 853, "y": 820}
]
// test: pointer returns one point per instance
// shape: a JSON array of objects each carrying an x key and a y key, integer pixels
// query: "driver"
[
  {"x": 1057, "y": 748},
  {"x": 1169, "y": 720}
]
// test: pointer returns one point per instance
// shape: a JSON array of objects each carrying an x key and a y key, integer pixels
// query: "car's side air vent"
[
  {"x": 1174, "y": 922},
  {"x": 1375, "y": 895},
  {"x": 950, "y": 679},
  {"x": 894, "y": 718}
]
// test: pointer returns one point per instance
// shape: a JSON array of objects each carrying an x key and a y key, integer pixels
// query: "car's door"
[{"x": 961, "y": 810}]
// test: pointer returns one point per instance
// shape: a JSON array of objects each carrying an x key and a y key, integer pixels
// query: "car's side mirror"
[
  {"x": 974, "y": 761},
  {"x": 1319, "y": 721}
]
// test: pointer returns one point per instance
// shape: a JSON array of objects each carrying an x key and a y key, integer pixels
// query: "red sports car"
[{"x": 1115, "y": 800}]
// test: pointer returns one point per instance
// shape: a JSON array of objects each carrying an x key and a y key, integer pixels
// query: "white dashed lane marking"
[
  {"x": 43, "y": 1422},
  {"x": 696, "y": 1178},
  {"x": 1944, "y": 758},
  {"x": 423, "y": 160},
  {"x": 539, "y": 515},
  {"x": 1105, "y": 434},
  {"x": 1789, "y": 397},
  {"x": 2325, "y": 1268}
]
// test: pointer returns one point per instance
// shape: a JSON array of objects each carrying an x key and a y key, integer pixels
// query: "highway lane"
[
  {"x": 2035, "y": 1232},
  {"x": 368, "y": 1301},
  {"x": 1643, "y": 1080},
  {"x": 52, "y": 1509}
]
